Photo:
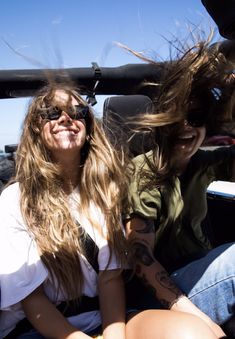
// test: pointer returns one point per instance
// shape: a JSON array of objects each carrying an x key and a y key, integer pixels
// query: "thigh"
[{"x": 210, "y": 282}]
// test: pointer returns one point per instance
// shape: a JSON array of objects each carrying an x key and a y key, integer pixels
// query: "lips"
[
  {"x": 67, "y": 131},
  {"x": 185, "y": 138}
]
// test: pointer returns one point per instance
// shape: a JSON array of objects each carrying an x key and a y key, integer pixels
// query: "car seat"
[{"x": 119, "y": 116}]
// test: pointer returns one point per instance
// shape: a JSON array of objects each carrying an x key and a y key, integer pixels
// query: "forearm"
[
  {"x": 46, "y": 319},
  {"x": 156, "y": 279},
  {"x": 171, "y": 296},
  {"x": 112, "y": 304}
]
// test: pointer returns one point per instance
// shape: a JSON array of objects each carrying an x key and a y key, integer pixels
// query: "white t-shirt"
[{"x": 22, "y": 271}]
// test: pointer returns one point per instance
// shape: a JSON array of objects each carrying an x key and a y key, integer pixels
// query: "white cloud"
[{"x": 56, "y": 21}]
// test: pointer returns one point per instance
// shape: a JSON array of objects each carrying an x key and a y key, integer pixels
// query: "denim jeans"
[
  {"x": 209, "y": 282},
  {"x": 33, "y": 334}
]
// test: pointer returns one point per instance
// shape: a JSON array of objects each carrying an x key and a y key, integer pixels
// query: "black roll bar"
[{"x": 124, "y": 79}]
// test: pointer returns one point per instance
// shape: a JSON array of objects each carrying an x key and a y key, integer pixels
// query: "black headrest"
[{"x": 118, "y": 122}]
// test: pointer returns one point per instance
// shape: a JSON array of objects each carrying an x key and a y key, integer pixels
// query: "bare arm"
[
  {"x": 141, "y": 234},
  {"x": 112, "y": 304},
  {"x": 45, "y": 317}
]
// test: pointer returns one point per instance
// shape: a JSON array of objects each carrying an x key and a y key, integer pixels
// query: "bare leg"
[{"x": 162, "y": 324}]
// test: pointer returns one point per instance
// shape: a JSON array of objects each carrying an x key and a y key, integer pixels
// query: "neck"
[
  {"x": 70, "y": 170},
  {"x": 180, "y": 167}
]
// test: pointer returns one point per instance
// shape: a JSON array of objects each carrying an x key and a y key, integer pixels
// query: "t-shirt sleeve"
[
  {"x": 104, "y": 261},
  {"x": 21, "y": 270}
]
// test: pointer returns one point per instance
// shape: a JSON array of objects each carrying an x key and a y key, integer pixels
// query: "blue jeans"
[
  {"x": 209, "y": 282},
  {"x": 33, "y": 334}
]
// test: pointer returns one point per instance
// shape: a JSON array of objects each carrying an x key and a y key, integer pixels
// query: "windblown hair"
[
  {"x": 199, "y": 80},
  {"x": 44, "y": 203}
]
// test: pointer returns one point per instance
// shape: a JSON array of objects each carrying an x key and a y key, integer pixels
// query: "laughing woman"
[{"x": 167, "y": 195}]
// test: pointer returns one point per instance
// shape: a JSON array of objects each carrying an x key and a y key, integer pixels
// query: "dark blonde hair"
[
  {"x": 44, "y": 203},
  {"x": 198, "y": 79}
]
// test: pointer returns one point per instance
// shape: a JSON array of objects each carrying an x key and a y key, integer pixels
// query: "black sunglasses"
[
  {"x": 77, "y": 113},
  {"x": 197, "y": 119}
]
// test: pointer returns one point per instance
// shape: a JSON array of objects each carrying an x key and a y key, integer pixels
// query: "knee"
[
  {"x": 194, "y": 328},
  {"x": 167, "y": 325}
]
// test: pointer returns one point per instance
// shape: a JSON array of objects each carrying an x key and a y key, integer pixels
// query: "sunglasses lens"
[
  {"x": 54, "y": 115},
  {"x": 196, "y": 119},
  {"x": 196, "y": 123},
  {"x": 80, "y": 112}
]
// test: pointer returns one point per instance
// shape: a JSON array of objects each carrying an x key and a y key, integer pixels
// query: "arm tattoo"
[
  {"x": 149, "y": 226},
  {"x": 147, "y": 284},
  {"x": 165, "y": 281},
  {"x": 142, "y": 254}
]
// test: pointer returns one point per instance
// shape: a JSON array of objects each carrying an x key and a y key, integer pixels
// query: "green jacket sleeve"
[{"x": 142, "y": 201}]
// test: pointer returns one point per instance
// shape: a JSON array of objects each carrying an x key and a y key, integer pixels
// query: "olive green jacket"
[{"x": 179, "y": 207}]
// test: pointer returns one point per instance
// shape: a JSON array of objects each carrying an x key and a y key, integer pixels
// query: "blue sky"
[{"x": 74, "y": 33}]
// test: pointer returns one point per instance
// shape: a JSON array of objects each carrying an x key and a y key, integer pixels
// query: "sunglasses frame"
[
  {"x": 54, "y": 113},
  {"x": 196, "y": 119}
]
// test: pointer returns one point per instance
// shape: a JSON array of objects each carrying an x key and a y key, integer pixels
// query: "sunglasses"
[
  {"x": 196, "y": 119},
  {"x": 54, "y": 113}
]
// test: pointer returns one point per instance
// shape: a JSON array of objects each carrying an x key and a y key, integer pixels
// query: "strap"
[{"x": 90, "y": 248}]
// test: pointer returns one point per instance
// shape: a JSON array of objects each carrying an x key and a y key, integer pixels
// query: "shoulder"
[
  {"x": 141, "y": 161},
  {"x": 22, "y": 270},
  {"x": 11, "y": 191},
  {"x": 10, "y": 206}
]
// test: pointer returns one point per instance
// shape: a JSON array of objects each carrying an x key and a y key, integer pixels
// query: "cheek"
[
  {"x": 46, "y": 135},
  {"x": 202, "y": 134}
]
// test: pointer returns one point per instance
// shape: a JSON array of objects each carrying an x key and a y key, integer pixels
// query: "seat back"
[{"x": 119, "y": 122}]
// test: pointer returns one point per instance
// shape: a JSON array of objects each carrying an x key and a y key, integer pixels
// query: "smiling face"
[
  {"x": 187, "y": 142},
  {"x": 64, "y": 135}
]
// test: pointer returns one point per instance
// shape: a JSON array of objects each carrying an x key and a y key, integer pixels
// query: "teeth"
[
  {"x": 66, "y": 132},
  {"x": 186, "y": 137}
]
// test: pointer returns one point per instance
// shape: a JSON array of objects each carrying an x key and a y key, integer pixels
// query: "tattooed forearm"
[
  {"x": 165, "y": 281},
  {"x": 163, "y": 288},
  {"x": 142, "y": 254},
  {"x": 147, "y": 284},
  {"x": 148, "y": 226}
]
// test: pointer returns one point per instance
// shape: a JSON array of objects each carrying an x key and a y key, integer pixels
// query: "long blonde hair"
[{"x": 44, "y": 203}]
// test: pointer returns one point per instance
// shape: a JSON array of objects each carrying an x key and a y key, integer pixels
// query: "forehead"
[{"x": 63, "y": 98}]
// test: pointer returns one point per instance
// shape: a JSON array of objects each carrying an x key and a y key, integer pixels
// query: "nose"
[
  {"x": 65, "y": 119},
  {"x": 186, "y": 123}
]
